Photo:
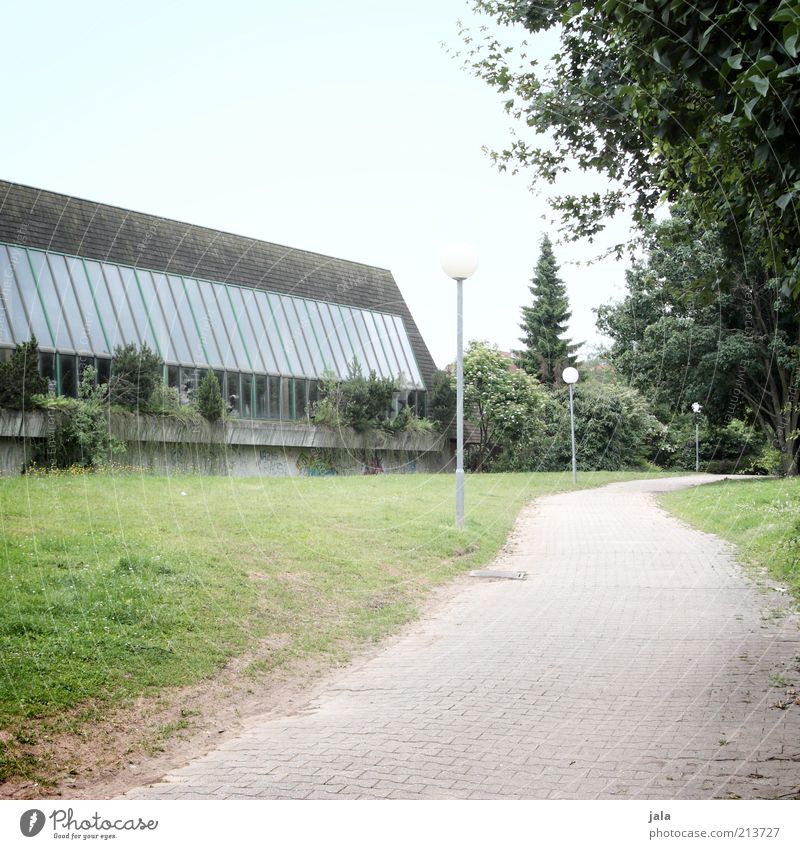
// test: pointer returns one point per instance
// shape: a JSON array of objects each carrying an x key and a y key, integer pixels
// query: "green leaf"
[
  {"x": 748, "y": 107},
  {"x": 760, "y": 84},
  {"x": 735, "y": 61},
  {"x": 786, "y": 12},
  {"x": 761, "y": 153},
  {"x": 790, "y": 42},
  {"x": 784, "y": 200}
]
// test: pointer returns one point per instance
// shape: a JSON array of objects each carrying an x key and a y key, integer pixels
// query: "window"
[
  {"x": 118, "y": 285},
  {"x": 274, "y": 397},
  {"x": 313, "y": 396},
  {"x": 69, "y": 375},
  {"x": 287, "y": 393},
  {"x": 52, "y": 305},
  {"x": 173, "y": 377},
  {"x": 152, "y": 322},
  {"x": 237, "y": 354},
  {"x": 205, "y": 322},
  {"x": 13, "y": 322},
  {"x": 319, "y": 347},
  {"x": 184, "y": 321},
  {"x": 70, "y": 315},
  {"x": 233, "y": 393},
  {"x": 301, "y": 398},
  {"x": 262, "y": 396},
  {"x": 106, "y": 309},
  {"x": 269, "y": 341},
  {"x": 104, "y": 370},
  {"x": 47, "y": 368},
  {"x": 329, "y": 319},
  {"x": 29, "y": 302},
  {"x": 188, "y": 385},
  {"x": 247, "y": 396},
  {"x": 95, "y": 338}
]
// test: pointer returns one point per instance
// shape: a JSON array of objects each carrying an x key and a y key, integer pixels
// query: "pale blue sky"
[{"x": 343, "y": 128}]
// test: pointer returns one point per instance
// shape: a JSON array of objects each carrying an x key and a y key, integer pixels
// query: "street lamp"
[
  {"x": 696, "y": 410},
  {"x": 570, "y": 376},
  {"x": 459, "y": 261}
]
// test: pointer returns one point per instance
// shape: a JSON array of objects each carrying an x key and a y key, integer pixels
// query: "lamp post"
[
  {"x": 570, "y": 377},
  {"x": 459, "y": 261},
  {"x": 696, "y": 410}
]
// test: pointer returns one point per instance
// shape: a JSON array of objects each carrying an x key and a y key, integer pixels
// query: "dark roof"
[{"x": 51, "y": 221}]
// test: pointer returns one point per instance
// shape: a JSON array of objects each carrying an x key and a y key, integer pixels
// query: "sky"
[{"x": 343, "y": 128}]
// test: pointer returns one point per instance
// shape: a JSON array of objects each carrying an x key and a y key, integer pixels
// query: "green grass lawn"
[
  {"x": 761, "y": 517},
  {"x": 118, "y": 585}
]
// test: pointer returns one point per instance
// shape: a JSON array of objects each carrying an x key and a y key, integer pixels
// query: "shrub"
[
  {"x": 164, "y": 400},
  {"x": 209, "y": 398},
  {"x": 80, "y": 435},
  {"x": 734, "y": 447},
  {"x": 503, "y": 403},
  {"x": 766, "y": 462},
  {"x": 442, "y": 400},
  {"x": 358, "y": 402},
  {"x": 326, "y": 413},
  {"x": 20, "y": 378},
  {"x": 407, "y": 422},
  {"x": 135, "y": 373},
  {"x": 613, "y": 429}
]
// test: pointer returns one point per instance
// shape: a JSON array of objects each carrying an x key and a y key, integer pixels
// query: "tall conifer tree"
[{"x": 544, "y": 323}]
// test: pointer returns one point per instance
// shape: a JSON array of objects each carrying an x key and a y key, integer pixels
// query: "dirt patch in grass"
[{"x": 104, "y": 755}]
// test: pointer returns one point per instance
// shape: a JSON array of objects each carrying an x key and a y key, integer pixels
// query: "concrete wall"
[{"x": 160, "y": 444}]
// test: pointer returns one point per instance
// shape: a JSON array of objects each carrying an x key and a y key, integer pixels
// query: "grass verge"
[
  {"x": 115, "y": 586},
  {"x": 761, "y": 517}
]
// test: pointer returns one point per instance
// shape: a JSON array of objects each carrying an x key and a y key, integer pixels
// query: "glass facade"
[{"x": 268, "y": 350}]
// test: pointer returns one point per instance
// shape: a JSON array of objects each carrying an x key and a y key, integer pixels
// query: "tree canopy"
[
  {"x": 662, "y": 96},
  {"x": 737, "y": 353}
]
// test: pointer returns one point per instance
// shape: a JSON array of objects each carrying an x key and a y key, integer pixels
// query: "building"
[{"x": 270, "y": 320}]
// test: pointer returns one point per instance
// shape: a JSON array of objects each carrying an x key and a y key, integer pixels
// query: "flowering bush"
[{"x": 504, "y": 403}]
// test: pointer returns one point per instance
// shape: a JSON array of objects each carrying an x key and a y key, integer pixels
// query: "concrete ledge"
[
  {"x": 165, "y": 444},
  {"x": 150, "y": 428}
]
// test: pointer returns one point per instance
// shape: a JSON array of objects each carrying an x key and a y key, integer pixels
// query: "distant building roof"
[{"x": 46, "y": 220}]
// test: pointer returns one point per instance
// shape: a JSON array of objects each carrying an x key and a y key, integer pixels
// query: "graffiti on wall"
[
  {"x": 373, "y": 465},
  {"x": 273, "y": 463},
  {"x": 317, "y": 462},
  {"x": 407, "y": 468}
]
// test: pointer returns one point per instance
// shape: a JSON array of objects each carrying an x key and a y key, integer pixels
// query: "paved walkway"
[{"x": 636, "y": 661}]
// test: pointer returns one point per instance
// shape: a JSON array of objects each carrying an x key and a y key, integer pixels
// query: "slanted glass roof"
[{"x": 76, "y": 305}]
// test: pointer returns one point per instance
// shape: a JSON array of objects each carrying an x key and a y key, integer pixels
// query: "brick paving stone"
[{"x": 637, "y": 660}]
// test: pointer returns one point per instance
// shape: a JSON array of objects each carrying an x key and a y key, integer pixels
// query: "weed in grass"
[
  {"x": 169, "y": 728},
  {"x": 26, "y": 736},
  {"x": 15, "y": 764}
]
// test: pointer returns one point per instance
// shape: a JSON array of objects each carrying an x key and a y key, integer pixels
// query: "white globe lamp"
[
  {"x": 570, "y": 375},
  {"x": 459, "y": 261}
]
